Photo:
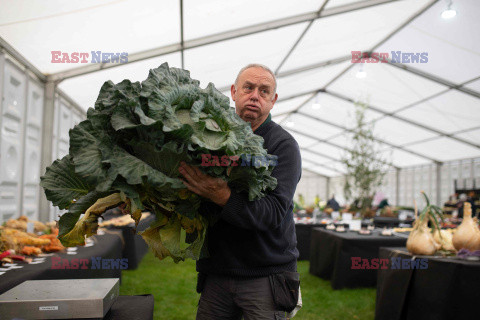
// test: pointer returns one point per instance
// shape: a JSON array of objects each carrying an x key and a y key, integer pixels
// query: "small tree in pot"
[{"x": 364, "y": 164}]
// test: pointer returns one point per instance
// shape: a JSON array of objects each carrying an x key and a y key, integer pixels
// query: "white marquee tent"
[{"x": 427, "y": 114}]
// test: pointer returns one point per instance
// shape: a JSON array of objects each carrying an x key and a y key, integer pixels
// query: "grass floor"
[{"x": 173, "y": 287}]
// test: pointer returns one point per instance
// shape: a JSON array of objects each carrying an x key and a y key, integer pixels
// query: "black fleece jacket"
[{"x": 257, "y": 238}]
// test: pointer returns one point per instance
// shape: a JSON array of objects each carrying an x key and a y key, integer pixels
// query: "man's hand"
[{"x": 215, "y": 189}]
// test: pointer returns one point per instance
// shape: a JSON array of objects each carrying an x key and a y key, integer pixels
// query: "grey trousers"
[{"x": 231, "y": 298}]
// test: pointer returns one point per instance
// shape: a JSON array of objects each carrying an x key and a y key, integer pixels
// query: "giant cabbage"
[{"x": 128, "y": 150}]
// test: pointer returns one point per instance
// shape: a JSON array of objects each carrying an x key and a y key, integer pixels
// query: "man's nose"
[{"x": 255, "y": 94}]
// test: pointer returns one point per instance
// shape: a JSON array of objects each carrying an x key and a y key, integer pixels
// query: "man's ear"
[
  {"x": 233, "y": 91},
  {"x": 275, "y": 99}
]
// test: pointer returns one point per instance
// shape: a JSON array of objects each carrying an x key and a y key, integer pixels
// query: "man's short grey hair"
[{"x": 257, "y": 65}]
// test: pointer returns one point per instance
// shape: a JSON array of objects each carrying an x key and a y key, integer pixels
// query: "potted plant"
[{"x": 365, "y": 166}]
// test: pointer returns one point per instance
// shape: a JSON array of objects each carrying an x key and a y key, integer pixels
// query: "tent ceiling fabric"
[
  {"x": 203, "y": 17},
  {"x": 387, "y": 87},
  {"x": 453, "y": 45},
  {"x": 358, "y": 30},
  {"x": 475, "y": 85},
  {"x": 84, "y": 26},
  {"x": 450, "y": 112},
  {"x": 84, "y": 89},
  {"x": 282, "y": 107},
  {"x": 308, "y": 80},
  {"x": 421, "y": 113},
  {"x": 335, "y": 110},
  {"x": 472, "y": 136},
  {"x": 337, "y": 3},
  {"x": 232, "y": 55}
]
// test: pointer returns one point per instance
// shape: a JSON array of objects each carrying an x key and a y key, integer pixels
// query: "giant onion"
[
  {"x": 421, "y": 241},
  {"x": 467, "y": 235}
]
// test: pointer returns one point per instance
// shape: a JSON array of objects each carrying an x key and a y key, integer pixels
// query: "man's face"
[{"x": 254, "y": 95}]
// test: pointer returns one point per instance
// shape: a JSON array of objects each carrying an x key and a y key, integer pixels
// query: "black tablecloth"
[
  {"x": 331, "y": 256},
  {"x": 447, "y": 289},
  {"x": 131, "y": 308},
  {"x": 135, "y": 247},
  {"x": 13, "y": 278},
  {"x": 108, "y": 246},
  {"x": 304, "y": 232},
  {"x": 389, "y": 222}
]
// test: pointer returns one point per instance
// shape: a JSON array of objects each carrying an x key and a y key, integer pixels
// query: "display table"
[
  {"x": 331, "y": 256},
  {"x": 13, "y": 278},
  {"x": 389, "y": 222},
  {"x": 107, "y": 246},
  {"x": 56, "y": 266},
  {"x": 135, "y": 247},
  {"x": 447, "y": 289},
  {"x": 304, "y": 233},
  {"x": 131, "y": 307}
]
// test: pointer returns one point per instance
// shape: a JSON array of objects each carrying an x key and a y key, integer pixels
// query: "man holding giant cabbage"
[
  {"x": 141, "y": 148},
  {"x": 251, "y": 270}
]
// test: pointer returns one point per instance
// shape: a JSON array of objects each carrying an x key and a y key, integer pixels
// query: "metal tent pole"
[{"x": 47, "y": 145}]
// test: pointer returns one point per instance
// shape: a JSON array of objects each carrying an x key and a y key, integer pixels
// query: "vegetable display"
[
  {"x": 467, "y": 235},
  {"x": 421, "y": 241},
  {"x": 128, "y": 150}
]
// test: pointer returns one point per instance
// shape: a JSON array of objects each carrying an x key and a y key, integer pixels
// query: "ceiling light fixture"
[
  {"x": 449, "y": 13},
  {"x": 361, "y": 73},
  {"x": 316, "y": 105}
]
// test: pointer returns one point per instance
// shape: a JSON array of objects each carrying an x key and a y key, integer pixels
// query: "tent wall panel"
[
  {"x": 427, "y": 182},
  {"x": 454, "y": 171},
  {"x": 409, "y": 181},
  {"x": 433, "y": 184},
  {"x": 22, "y": 108},
  {"x": 66, "y": 117},
  {"x": 2, "y": 72},
  {"x": 322, "y": 189},
  {"x": 476, "y": 172},
  {"x": 55, "y": 150},
  {"x": 392, "y": 182},
  {"x": 311, "y": 185},
  {"x": 446, "y": 187},
  {"x": 55, "y": 130},
  {"x": 388, "y": 187},
  {"x": 402, "y": 192},
  {"x": 466, "y": 175},
  {"x": 12, "y": 137},
  {"x": 33, "y": 134},
  {"x": 423, "y": 178},
  {"x": 64, "y": 124},
  {"x": 336, "y": 188},
  {"x": 417, "y": 181},
  {"x": 392, "y": 187}
]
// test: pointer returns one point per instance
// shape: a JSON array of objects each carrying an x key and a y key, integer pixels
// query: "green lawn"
[{"x": 173, "y": 286}]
